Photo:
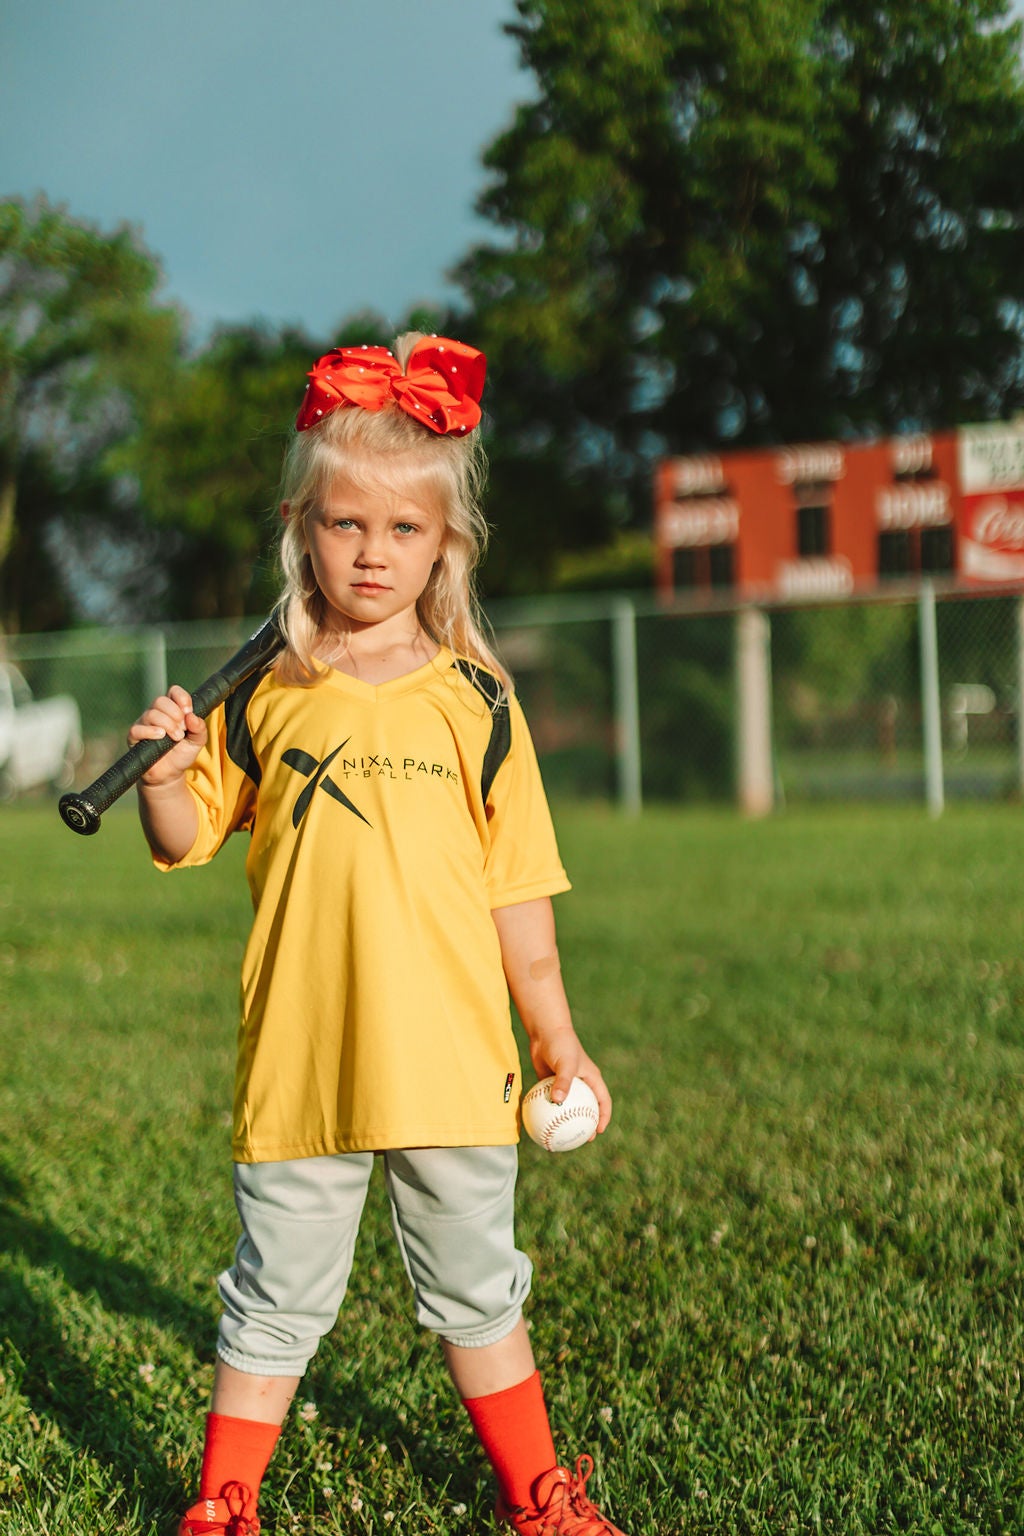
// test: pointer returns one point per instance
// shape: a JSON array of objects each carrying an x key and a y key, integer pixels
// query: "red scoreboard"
[{"x": 826, "y": 520}]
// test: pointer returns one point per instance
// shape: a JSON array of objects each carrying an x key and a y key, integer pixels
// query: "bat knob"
[{"x": 79, "y": 814}]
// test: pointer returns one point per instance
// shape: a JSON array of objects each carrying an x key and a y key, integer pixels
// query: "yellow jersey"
[{"x": 385, "y": 824}]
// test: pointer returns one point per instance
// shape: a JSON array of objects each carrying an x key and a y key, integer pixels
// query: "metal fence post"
[
  {"x": 754, "y": 760},
  {"x": 154, "y": 664},
  {"x": 931, "y": 707},
  {"x": 627, "y": 706}
]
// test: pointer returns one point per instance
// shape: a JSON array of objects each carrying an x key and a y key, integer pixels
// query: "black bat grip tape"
[{"x": 82, "y": 811}]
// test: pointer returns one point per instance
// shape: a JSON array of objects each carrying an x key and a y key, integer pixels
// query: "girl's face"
[{"x": 372, "y": 554}]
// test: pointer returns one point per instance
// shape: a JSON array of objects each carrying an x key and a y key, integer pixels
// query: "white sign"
[
  {"x": 700, "y": 475},
  {"x": 694, "y": 524},
  {"x": 911, "y": 455},
  {"x": 991, "y": 457},
  {"x": 815, "y": 577},
  {"x": 922, "y": 504},
  {"x": 809, "y": 463}
]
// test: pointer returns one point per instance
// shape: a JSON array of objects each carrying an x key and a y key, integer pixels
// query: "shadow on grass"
[
  {"x": 403, "y": 1400},
  {"x": 58, "y": 1382},
  {"x": 60, "y": 1385}
]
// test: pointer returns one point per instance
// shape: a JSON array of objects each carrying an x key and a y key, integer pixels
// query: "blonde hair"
[{"x": 387, "y": 450}]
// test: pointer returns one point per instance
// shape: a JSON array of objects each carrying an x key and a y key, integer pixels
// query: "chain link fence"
[
  {"x": 849, "y": 702},
  {"x": 629, "y": 701}
]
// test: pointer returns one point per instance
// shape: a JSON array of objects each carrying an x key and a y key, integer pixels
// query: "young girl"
[{"x": 401, "y": 864}]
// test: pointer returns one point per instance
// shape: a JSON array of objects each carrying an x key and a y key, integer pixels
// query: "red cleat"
[
  {"x": 561, "y": 1506},
  {"x": 221, "y": 1517}
]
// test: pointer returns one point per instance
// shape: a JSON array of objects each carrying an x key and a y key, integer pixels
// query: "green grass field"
[{"x": 782, "y": 1294}]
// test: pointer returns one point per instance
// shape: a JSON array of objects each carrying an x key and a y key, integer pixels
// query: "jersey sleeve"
[
  {"x": 223, "y": 791},
  {"x": 522, "y": 860}
]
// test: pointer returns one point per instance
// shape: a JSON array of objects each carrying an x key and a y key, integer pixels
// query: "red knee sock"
[
  {"x": 236, "y": 1451},
  {"x": 513, "y": 1429}
]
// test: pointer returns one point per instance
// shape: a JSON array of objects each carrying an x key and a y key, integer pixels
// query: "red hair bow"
[{"x": 441, "y": 385}]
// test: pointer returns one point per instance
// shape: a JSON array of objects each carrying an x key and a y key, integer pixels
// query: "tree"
[
  {"x": 903, "y": 305},
  {"x": 770, "y": 220},
  {"x": 206, "y": 460},
  {"x": 78, "y": 328}
]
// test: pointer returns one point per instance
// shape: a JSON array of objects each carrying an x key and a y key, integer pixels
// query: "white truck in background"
[{"x": 40, "y": 739}]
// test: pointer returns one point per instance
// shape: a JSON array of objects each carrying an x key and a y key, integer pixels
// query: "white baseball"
[{"x": 560, "y": 1127}]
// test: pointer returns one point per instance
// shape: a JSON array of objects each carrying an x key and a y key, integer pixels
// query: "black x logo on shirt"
[{"x": 303, "y": 763}]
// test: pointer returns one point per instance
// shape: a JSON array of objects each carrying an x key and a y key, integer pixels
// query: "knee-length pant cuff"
[
  {"x": 452, "y": 1211},
  {"x": 479, "y": 1338}
]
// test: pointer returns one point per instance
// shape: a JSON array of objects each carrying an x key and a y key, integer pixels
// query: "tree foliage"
[
  {"x": 79, "y": 326},
  {"x": 767, "y": 221},
  {"x": 206, "y": 461}
]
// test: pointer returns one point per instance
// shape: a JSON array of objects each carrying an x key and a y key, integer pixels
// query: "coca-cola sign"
[
  {"x": 993, "y": 546},
  {"x": 998, "y": 522}
]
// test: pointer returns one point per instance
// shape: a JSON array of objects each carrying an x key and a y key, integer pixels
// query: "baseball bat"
[{"x": 82, "y": 811}]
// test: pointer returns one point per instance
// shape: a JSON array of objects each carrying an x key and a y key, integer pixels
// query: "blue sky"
[
  {"x": 293, "y": 159},
  {"x": 297, "y": 161}
]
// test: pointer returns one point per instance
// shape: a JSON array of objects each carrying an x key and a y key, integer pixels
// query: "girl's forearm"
[
  {"x": 169, "y": 819},
  {"x": 529, "y": 955}
]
